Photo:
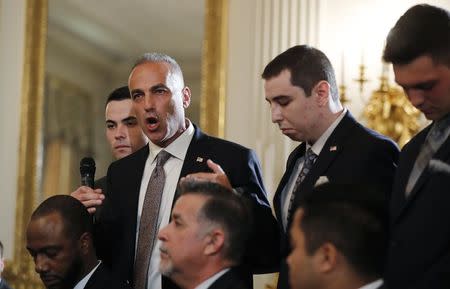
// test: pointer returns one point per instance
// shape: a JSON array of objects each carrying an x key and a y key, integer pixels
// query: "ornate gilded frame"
[{"x": 20, "y": 271}]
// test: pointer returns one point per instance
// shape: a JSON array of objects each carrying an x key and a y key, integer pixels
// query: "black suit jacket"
[
  {"x": 117, "y": 230},
  {"x": 4, "y": 285},
  {"x": 102, "y": 279},
  {"x": 229, "y": 280},
  {"x": 419, "y": 249},
  {"x": 352, "y": 154}
]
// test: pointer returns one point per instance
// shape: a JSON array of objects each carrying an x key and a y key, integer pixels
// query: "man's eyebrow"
[{"x": 129, "y": 118}]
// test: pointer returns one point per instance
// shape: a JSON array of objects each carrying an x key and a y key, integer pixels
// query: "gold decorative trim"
[
  {"x": 20, "y": 273},
  {"x": 214, "y": 68}
]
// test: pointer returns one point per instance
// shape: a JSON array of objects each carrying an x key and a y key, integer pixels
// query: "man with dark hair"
[
  {"x": 418, "y": 46},
  {"x": 300, "y": 87},
  {"x": 3, "y": 284},
  {"x": 123, "y": 133},
  {"x": 59, "y": 238},
  {"x": 339, "y": 239},
  {"x": 206, "y": 237},
  {"x": 142, "y": 187}
]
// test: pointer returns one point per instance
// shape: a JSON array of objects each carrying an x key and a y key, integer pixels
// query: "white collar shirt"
[
  {"x": 82, "y": 283},
  {"x": 172, "y": 168},
  {"x": 317, "y": 147},
  {"x": 208, "y": 282}
]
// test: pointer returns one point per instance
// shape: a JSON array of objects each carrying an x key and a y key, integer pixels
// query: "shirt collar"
[
  {"x": 82, "y": 283},
  {"x": 208, "y": 282},
  {"x": 178, "y": 148},
  {"x": 373, "y": 285},
  {"x": 318, "y": 145}
]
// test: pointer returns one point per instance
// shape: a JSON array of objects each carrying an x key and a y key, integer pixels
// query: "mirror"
[
  {"x": 49, "y": 84},
  {"x": 90, "y": 50}
]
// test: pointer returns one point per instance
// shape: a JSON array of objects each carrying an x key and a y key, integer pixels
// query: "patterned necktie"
[
  {"x": 149, "y": 221},
  {"x": 432, "y": 143},
  {"x": 310, "y": 158}
]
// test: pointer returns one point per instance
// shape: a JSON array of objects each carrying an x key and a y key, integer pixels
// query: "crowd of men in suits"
[{"x": 189, "y": 210}]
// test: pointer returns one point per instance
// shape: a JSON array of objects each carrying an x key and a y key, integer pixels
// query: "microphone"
[{"x": 87, "y": 172}]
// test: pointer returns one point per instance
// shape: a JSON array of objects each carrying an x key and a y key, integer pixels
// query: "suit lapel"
[
  {"x": 443, "y": 154},
  {"x": 196, "y": 157},
  {"x": 297, "y": 153},
  {"x": 332, "y": 147}
]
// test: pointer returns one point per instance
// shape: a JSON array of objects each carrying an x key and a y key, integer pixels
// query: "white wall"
[{"x": 12, "y": 28}]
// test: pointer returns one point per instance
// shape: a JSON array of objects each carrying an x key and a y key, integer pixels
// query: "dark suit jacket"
[
  {"x": 229, "y": 280},
  {"x": 118, "y": 227},
  {"x": 4, "y": 285},
  {"x": 102, "y": 279},
  {"x": 352, "y": 154},
  {"x": 419, "y": 249}
]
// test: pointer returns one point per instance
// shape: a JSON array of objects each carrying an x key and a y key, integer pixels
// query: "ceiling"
[{"x": 112, "y": 33}]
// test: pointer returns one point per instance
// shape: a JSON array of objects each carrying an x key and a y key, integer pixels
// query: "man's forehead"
[
  {"x": 189, "y": 203},
  {"x": 124, "y": 106}
]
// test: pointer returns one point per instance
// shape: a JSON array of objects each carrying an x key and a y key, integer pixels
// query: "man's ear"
[
  {"x": 322, "y": 92},
  {"x": 325, "y": 258},
  {"x": 85, "y": 242},
  {"x": 186, "y": 96},
  {"x": 214, "y": 242},
  {"x": 2, "y": 264}
]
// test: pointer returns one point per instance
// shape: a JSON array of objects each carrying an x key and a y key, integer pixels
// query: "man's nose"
[
  {"x": 41, "y": 264},
  {"x": 149, "y": 102},
  {"x": 120, "y": 132},
  {"x": 416, "y": 97},
  {"x": 276, "y": 114}
]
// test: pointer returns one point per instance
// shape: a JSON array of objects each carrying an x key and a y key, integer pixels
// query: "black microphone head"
[{"x": 87, "y": 166}]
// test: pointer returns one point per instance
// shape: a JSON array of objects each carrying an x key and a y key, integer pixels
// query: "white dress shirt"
[
  {"x": 208, "y": 282},
  {"x": 172, "y": 168},
  {"x": 316, "y": 148},
  {"x": 82, "y": 283},
  {"x": 373, "y": 285}
]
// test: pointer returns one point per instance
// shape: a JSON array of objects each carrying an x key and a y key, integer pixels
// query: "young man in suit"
[
  {"x": 339, "y": 239},
  {"x": 300, "y": 87},
  {"x": 206, "y": 237},
  {"x": 3, "y": 284},
  {"x": 177, "y": 147},
  {"x": 123, "y": 133},
  {"x": 59, "y": 239},
  {"x": 419, "y": 252}
]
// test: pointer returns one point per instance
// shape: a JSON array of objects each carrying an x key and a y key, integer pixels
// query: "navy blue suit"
[
  {"x": 352, "y": 154},
  {"x": 116, "y": 232},
  {"x": 419, "y": 249}
]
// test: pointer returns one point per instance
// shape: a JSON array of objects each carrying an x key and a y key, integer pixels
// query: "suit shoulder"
[
  {"x": 137, "y": 156},
  {"x": 377, "y": 138},
  {"x": 226, "y": 144}
]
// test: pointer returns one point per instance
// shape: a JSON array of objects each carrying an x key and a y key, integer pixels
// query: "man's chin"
[{"x": 166, "y": 268}]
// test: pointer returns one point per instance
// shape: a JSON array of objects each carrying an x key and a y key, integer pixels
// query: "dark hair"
[
  {"x": 354, "y": 219},
  {"x": 307, "y": 65},
  {"x": 74, "y": 214},
  {"x": 227, "y": 210},
  {"x": 118, "y": 94},
  {"x": 423, "y": 29},
  {"x": 1, "y": 250}
]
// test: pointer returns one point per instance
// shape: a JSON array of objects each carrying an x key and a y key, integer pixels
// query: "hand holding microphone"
[{"x": 86, "y": 194}]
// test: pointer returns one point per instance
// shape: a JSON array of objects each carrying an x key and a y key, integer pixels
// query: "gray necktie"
[
  {"x": 310, "y": 159},
  {"x": 149, "y": 221},
  {"x": 433, "y": 141}
]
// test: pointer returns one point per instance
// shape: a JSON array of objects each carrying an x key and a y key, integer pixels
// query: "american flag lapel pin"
[
  {"x": 333, "y": 148},
  {"x": 199, "y": 159}
]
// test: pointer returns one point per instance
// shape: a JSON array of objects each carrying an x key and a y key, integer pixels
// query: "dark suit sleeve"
[{"x": 263, "y": 254}]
